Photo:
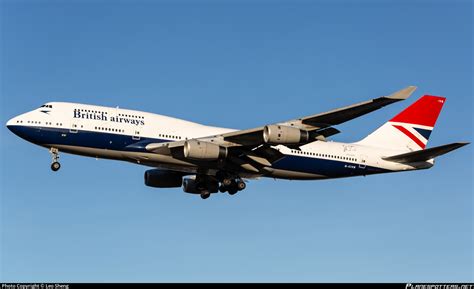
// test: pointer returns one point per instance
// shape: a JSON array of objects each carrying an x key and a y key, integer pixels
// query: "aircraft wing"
[
  {"x": 320, "y": 124},
  {"x": 248, "y": 149}
]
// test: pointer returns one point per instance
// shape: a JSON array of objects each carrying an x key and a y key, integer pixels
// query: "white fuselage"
[{"x": 122, "y": 134}]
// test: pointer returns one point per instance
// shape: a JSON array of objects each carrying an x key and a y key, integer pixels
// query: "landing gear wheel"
[
  {"x": 55, "y": 166},
  {"x": 55, "y": 157},
  {"x": 205, "y": 195},
  {"x": 241, "y": 185},
  {"x": 222, "y": 189},
  {"x": 227, "y": 182}
]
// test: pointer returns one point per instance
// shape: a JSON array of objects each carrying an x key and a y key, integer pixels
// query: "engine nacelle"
[
  {"x": 190, "y": 186},
  {"x": 201, "y": 150},
  {"x": 280, "y": 134},
  {"x": 163, "y": 179}
]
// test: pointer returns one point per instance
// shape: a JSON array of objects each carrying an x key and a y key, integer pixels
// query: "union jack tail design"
[{"x": 410, "y": 129}]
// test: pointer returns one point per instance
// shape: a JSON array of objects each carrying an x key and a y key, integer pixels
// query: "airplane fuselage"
[{"x": 122, "y": 134}]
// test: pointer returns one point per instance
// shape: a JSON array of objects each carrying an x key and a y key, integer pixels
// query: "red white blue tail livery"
[{"x": 409, "y": 129}]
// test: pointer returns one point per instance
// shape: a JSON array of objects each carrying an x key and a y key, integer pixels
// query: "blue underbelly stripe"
[
  {"x": 111, "y": 141},
  {"x": 325, "y": 167}
]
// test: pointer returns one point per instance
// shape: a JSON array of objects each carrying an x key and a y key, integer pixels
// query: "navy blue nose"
[
  {"x": 31, "y": 134},
  {"x": 17, "y": 127}
]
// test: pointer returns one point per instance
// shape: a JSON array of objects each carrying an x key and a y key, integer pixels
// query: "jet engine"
[
  {"x": 192, "y": 186},
  {"x": 280, "y": 134},
  {"x": 189, "y": 186},
  {"x": 163, "y": 179},
  {"x": 206, "y": 151}
]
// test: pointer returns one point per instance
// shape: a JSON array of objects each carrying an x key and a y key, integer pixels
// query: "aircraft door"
[
  {"x": 137, "y": 130},
  {"x": 75, "y": 125},
  {"x": 136, "y": 133},
  {"x": 362, "y": 161}
]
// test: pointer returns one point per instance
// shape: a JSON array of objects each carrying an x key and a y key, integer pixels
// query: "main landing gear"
[
  {"x": 205, "y": 194},
  {"x": 232, "y": 186},
  {"x": 206, "y": 185},
  {"x": 55, "y": 165}
]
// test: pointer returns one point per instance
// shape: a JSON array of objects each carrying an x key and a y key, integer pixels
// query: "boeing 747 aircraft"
[{"x": 205, "y": 159}]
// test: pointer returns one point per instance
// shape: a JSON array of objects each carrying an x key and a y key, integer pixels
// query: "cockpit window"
[{"x": 47, "y": 105}]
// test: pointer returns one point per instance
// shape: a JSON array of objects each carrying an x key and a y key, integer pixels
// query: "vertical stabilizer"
[{"x": 410, "y": 129}]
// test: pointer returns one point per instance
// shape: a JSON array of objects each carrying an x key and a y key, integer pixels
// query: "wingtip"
[
  {"x": 459, "y": 144},
  {"x": 403, "y": 93}
]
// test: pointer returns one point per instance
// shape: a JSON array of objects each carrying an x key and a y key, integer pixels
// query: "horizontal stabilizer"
[{"x": 424, "y": 155}]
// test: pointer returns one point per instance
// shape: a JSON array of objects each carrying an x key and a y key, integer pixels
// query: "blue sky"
[{"x": 237, "y": 64}]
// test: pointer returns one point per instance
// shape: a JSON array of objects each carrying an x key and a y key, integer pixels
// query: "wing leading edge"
[
  {"x": 248, "y": 150},
  {"x": 320, "y": 123}
]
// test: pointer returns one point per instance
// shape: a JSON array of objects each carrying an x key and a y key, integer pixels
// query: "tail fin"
[{"x": 410, "y": 129}]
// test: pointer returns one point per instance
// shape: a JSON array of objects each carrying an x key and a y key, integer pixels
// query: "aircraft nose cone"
[
  {"x": 10, "y": 123},
  {"x": 13, "y": 126}
]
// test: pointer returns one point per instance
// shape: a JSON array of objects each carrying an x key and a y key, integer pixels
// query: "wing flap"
[{"x": 424, "y": 155}]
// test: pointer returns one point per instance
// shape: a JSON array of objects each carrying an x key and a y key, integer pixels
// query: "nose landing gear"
[{"x": 55, "y": 165}]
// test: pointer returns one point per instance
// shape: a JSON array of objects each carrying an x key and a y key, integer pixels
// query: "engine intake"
[
  {"x": 280, "y": 134},
  {"x": 200, "y": 150},
  {"x": 163, "y": 179}
]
